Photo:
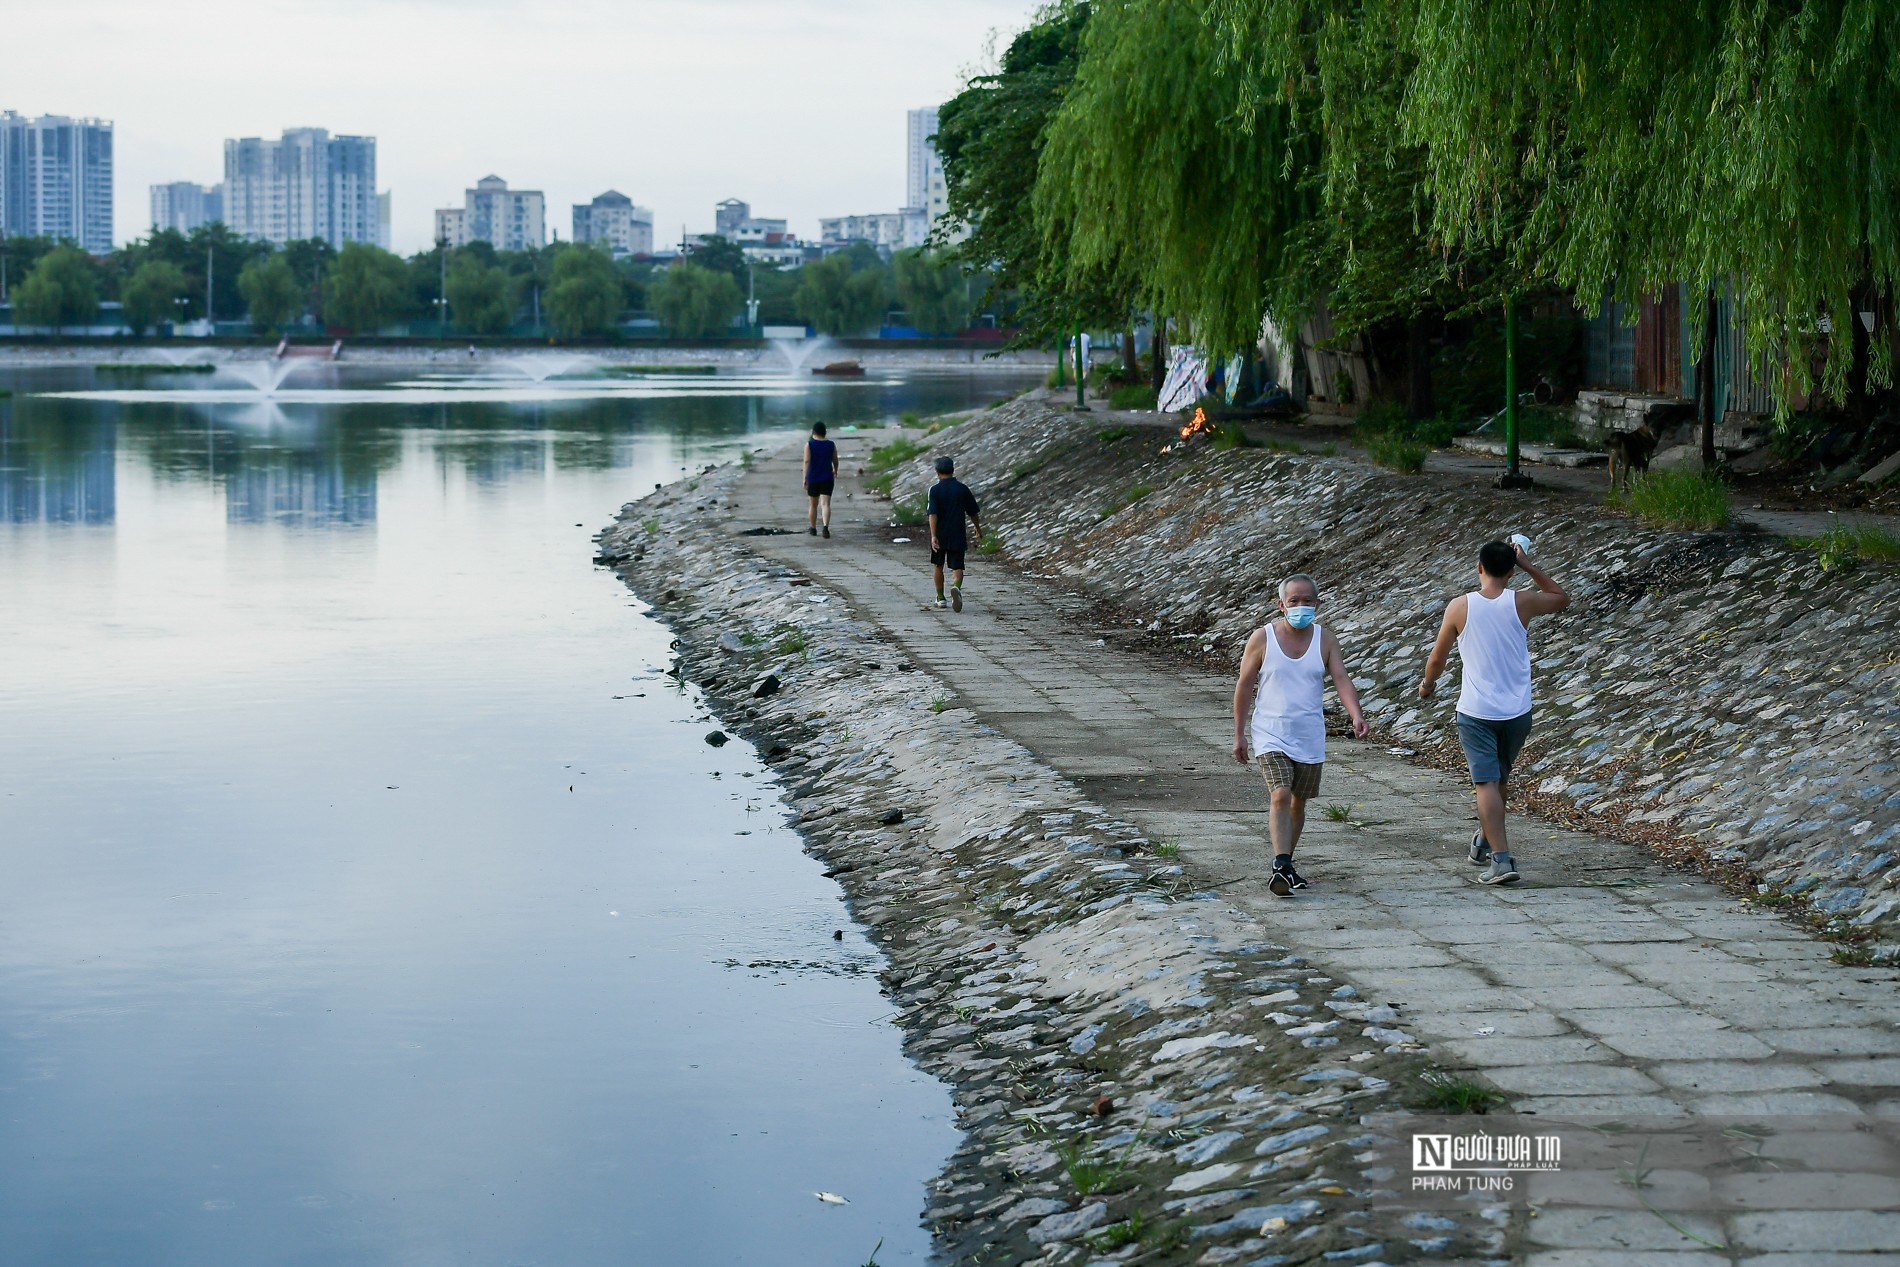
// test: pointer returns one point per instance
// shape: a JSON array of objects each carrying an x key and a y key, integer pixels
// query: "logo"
[{"x": 1480, "y": 1162}]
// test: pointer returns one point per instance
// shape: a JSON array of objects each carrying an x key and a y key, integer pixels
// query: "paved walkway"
[{"x": 1605, "y": 983}]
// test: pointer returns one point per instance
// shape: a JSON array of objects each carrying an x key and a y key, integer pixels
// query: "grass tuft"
[
  {"x": 898, "y": 451},
  {"x": 1844, "y": 547},
  {"x": 1109, "y": 435},
  {"x": 1134, "y": 396},
  {"x": 1676, "y": 499},
  {"x": 1090, "y": 1174},
  {"x": 1337, "y": 813},
  {"x": 1395, "y": 453},
  {"x": 942, "y": 702},
  {"x": 1440, "y": 1092},
  {"x": 1128, "y": 497},
  {"x": 910, "y": 512}
]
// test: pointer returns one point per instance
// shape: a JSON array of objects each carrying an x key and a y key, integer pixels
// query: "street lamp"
[
  {"x": 442, "y": 294},
  {"x": 180, "y": 301}
]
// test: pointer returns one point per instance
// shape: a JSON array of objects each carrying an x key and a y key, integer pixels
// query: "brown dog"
[{"x": 1629, "y": 451}]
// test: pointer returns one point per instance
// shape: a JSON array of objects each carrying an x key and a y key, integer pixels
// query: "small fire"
[{"x": 1197, "y": 426}]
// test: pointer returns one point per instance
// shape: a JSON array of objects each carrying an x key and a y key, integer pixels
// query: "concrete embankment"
[
  {"x": 1714, "y": 690},
  {"x": 1138, "y": 1070}
]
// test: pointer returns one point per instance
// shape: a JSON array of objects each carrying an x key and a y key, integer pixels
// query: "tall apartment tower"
[
  {"x": 306, "y": 184},
  {"x": 56, "y": 179},
  {"x": 612, "y": 221},
  {"x": 924, "y": 187},
  {"x": 184, "y": 205}
]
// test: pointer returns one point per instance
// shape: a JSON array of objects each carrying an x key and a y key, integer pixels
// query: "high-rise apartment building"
[
  {"x": 612, "y": 221},
  {"x": 307, "y": 184},
  {"x": 56, "y": 179},
  {"x": 507, "y": 219},
  {"x": 184, "y": 205},
  {"x": 924, "y": 170}
]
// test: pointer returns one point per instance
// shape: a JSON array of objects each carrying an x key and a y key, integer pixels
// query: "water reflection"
[{"x": 56, "y": 474}]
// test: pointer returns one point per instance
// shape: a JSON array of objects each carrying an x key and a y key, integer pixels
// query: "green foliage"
[
  {"x": 585, "y": 295},
  {"x": 898, "y": 451},
  {"x": 1676, "y": 499},
  {"x": 1468, "y": 374},
  {"x": 1644, "y": 144},
  {"x": 481, "y": 298},
  {"x": 1134, "y": 396},
  {"x": 931, "y": 289},
  {"x": 1440, "y": 1092},
  {"x": 718, "y": 255},
  {"x": 845, "y": 293},
  {"x": 942, "y": 702},
  {"x": 1336, "y": 813},
  {"x": 365, "y": 289},
  {"x": 1228, "y": 436},
  {"x": 694, "y": 302},
  {"x": 1091, "y": 1174},
  {"x": 62, "y": 290},
  {"x": 1845, "y": 546},
  {"x": 1386, "y": 419},
  {"x": 147, "y": 297},
  {"x": 910, "y": 512},
  {"x": 1109, "y": 435},
  {"x": 1149, "y": 173},
  {"x": 1396, "y": 453},
  {"x": 272, "y": 295}
]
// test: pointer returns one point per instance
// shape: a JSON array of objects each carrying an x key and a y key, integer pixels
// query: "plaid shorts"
[{"x": 1296, "y": 777}]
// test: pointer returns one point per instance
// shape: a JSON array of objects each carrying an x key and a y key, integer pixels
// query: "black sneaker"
[
  {"x": 1480, "y": 849},
  {"x": 1503, "y": 870},
  {"x": 812, "y": 532},
  {"x": 1280, "y": 880},
  {"x": 827, "y": 532},
  {"x": 1299, "y": 881}
]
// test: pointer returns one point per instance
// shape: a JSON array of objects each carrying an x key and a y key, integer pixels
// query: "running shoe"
[
  {"x": 940, "y": 603},
  {"x": 956, "y": 598},
  {"x": 1480, "y": 849},
  {"x": 811, "y": 532},
  {"x": 1280, "y": 880},
  {"x": 827, "y": 532},
  {"x": 1299, "y": 881},
  {"x": 1503, "y": 870}
]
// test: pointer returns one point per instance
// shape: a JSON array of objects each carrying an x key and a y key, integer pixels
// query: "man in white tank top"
[
  {"x": 1491, "y": 627},
  {"x": 1279, "y": 705}
]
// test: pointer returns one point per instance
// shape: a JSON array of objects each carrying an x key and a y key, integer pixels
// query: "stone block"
[
  {"x": 1620, "y": 1230},
  {"x": 1572, "y": 1079},
  {"x": 1687, "y": 1045},
  {"x": 1881, "y": 1072},
  {"x": 1780, "y": 1103},
  {"x": 1810, "y": 1230},
  {"x": 1486, "y": 1052},
  {"x": 1712, "y": 1077},
  {"x": 1828, "y": 1190},
  {"x": 1841, "y": 1041},
  {"x": 1624, "y": 1258}
]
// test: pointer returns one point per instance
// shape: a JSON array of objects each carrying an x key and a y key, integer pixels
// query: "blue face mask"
[{"x": 1301, "y": 617}]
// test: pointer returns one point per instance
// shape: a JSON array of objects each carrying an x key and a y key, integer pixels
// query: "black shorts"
[
  {"x": 952, "y": 559},
  {"x": 821, "y": 488}
]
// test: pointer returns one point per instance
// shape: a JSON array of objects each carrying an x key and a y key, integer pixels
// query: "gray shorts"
[{"x": 1491, "y": 747}]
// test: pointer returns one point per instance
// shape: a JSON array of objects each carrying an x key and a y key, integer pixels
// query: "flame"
[{"x": 1197, "y": 426}]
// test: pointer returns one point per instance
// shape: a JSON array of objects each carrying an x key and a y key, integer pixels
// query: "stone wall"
[{"x": 1716, "y": 685}]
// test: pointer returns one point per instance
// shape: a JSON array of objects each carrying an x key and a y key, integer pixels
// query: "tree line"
[
  {"x": 1408, "y": 163},
  {"x": 573, "y": 290}
]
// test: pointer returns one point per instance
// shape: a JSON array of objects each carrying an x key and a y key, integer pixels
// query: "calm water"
[{"x": 367, "y": 894}]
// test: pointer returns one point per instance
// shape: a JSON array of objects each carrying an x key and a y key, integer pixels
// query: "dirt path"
[{"x": 1604, "y": 984}]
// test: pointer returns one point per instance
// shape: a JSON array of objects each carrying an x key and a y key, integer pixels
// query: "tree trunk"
[
  {"x": 1858, "y": 402},
  {"x": 1705, "y": 381},
  {"x": 1418, "y": 362},
  {"x": 1158, "y": 348},
  {"x": 1131, "y": 360}
]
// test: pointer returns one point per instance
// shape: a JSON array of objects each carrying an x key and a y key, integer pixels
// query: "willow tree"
[
  {"x": 1746, "y": 144},
  {"x": 991, "y": 137},
  {"x": 1147, "y": 174}
]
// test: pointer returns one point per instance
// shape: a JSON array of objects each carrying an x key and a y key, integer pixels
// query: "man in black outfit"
[
  {"x": 950, "y": 501},
  {"x": 821, "y": 475}
]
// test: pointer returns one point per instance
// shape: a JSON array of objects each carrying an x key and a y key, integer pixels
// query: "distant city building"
[
  {"x": 306, "y": 184},
  {"x": 763, "y": 240},
  {"x": 923, "y": 184},
  {"x": 507, "y": 219},
  {"x": 56, "y": 179},
  {"x": 183, "y": 205},
  {"x": 612, "y": 221},
  {"x": 887, "y": 230},
  {"x": 382, "y": 219}
]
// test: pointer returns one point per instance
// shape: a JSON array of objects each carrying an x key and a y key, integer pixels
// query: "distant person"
[
  {"x": 1279, "y": 705},
  {"x": 1490, "y": 626},
  {"x": 821, "y": 476},
  {"x": 949, "y": 502}
]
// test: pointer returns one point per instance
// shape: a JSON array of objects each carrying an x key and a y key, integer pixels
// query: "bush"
[
  {"x": 1845, "y": 547},
  {"x": 1676, "y": 499},
  {"x": 1468, "y": 378},
  {"x": 1386, "y": 420},
  {"x": 1134, "y": 396},
  {"x": 1396, "y": 453}
]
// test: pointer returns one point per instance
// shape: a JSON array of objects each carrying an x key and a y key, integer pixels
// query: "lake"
[{"x": 370, "y": 896}]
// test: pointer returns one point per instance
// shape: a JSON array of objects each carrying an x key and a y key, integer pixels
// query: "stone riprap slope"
[
  {"x": 1717, "y": 685},
  {"x": 1131, "y": 1060}
]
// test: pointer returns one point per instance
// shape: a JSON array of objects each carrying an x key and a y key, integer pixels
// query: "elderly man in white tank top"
[
  {"x": 1279, "y": 705},
  {"x": 1491, "y": 628}
]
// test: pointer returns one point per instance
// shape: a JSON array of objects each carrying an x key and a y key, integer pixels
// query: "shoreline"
[
  {"x": 1098, "y": 1020},
  {"x": 24, "y": 356}
]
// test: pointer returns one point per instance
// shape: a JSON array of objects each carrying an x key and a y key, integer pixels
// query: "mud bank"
[
  {"x": 1713, "y": 688},
  {"x": 1141, "y": 1076}
]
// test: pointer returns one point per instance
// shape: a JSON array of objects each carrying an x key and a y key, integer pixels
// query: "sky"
[{"x": 797, "y": 108}]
